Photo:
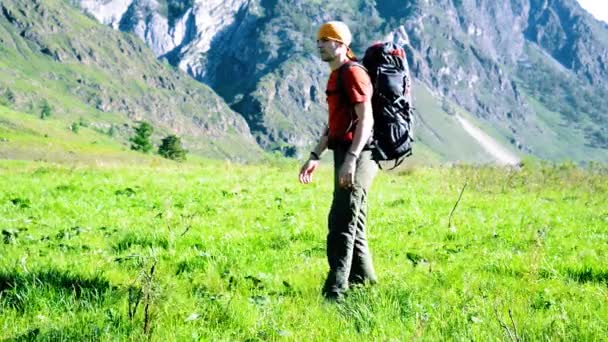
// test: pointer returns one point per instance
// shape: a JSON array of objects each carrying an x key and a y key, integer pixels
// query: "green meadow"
[
  {"x": 213, "y": 250},
  {"x": 101, "y": 243}
]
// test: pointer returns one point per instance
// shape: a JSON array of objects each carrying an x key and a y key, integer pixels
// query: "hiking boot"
[{"x": 333, "y": 297}]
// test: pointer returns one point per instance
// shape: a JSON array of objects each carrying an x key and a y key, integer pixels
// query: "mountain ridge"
[
  {"x": 472, "y": 58},
  {"x": 531, "y": 73}
]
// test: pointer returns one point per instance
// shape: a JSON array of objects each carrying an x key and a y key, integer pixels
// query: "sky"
[{"x": 599, "y": 8}]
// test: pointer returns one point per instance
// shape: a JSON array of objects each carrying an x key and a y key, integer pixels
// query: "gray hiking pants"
[{"x": 348, "y": 253}]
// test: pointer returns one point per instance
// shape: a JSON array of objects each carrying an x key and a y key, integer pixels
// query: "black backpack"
[{"x": 391, "y": 102}]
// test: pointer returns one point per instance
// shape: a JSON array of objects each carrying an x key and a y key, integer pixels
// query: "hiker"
[{"x": 350, "y": 123}]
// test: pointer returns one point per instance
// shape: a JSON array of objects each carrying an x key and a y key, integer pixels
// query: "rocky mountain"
[
  {"x": 533, "y": 73},
  {"x": 53, "y": 56}
]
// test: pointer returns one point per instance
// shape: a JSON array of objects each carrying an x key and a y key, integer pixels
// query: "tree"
[
  {"x": 171, "y": 148},
  {"x": 141, "y": 140},
  {"x": 10, "y": 96},
  {"x": 46, "y": 110}
]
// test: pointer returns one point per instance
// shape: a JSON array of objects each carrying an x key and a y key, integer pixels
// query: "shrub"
[
  {"x": 75, "y": 127},
  {"x": 111, "y": 130},
  {"x": 83, "y": 122},
  {"x": 45, "y": 110},
  {"x": 8, "y": 97},
  {"x": 171, "y": 148}
]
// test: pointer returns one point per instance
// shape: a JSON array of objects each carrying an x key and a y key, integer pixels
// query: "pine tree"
[
  {"x": 141, "y": 140},
  {"x": 171, "y": 148}
]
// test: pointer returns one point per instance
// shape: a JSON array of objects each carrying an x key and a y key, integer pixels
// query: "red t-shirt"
[{"x": 342, "y": 117}]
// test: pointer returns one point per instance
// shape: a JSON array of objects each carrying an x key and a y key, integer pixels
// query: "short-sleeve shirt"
[{"x": 342, "y": 117}]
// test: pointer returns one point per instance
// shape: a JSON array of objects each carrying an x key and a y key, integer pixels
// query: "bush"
[
  {"x": 141, "y": 140},
  {"x": 83, "y": 122},
  {"x": 8, "y": 97},
  {"x": 111, "y": 131},
  {"x": 46, "y": 110},
  {"x": 171, "y": 148},
  {"x": 75, "y": 127}
]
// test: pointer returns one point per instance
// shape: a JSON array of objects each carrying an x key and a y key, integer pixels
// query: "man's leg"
[
  {"x": 362, "y": 269},
  {"x": 340, "y": 243},
  {"x": 343, "y": 223}
]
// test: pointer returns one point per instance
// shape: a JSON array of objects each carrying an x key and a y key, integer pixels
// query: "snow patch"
[{"x": 501, "y": 154}]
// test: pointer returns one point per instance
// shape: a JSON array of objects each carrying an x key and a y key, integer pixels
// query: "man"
[{"x": 350, "y": 123}]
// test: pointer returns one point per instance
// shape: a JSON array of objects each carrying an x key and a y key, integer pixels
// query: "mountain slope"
[
  {"x": 52, "y": 55},
  {"x": 525, "y": 68}
]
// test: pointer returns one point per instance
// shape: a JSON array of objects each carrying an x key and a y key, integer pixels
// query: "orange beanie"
[{"x": 337, "y": 31}]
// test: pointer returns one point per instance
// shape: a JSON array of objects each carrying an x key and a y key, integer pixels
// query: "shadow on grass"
[
  {"x": 16, "y": 287},
  {"x": 130, "y": 240},
  {"x": 588, "y": 275},
  {"x": 85, "y": 331},
  {"x": 504, "y": 270},
  {"x": 198, "y": 263},
  {"x": 285, "y": 241}
]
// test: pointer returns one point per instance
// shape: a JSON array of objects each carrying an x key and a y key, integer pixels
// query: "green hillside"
[
  {"x": 440, "y": 132},
  {"x": 52, "y": 55},
  {"x": 27, "y": 137}
]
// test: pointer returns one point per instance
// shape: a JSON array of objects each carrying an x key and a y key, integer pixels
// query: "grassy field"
[{"x": 220, "y": 251}]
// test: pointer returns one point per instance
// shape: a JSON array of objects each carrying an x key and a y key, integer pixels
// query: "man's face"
[{"x": 329, "y": 49}]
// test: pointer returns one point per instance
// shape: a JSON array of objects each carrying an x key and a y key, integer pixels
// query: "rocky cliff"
[{"x": 526, "y": 68}]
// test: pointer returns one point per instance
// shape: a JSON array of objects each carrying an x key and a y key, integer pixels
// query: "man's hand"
[
  {"x": 307, "y": 170},
  {"x": 347, "y": 172}
]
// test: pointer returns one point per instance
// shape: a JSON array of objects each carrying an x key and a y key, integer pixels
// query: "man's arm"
[
  {"x": 363, "y": 132},
  {"x": 311, "y": 164},
  {"x": 364, "y": 128},
  {"x": 322, "y": 144}
]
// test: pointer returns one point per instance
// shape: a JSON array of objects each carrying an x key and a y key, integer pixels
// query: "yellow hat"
[
  {"x": 338, "y": 31},
  {"x": 335, "y": 30}
]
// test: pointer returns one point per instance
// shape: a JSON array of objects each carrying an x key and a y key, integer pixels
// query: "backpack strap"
[
  {"x": 397, "y": 162},
  {"x": 340, "y": 79}
]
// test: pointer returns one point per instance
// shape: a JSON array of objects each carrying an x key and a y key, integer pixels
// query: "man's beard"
[{"x": 326, "y": 57}]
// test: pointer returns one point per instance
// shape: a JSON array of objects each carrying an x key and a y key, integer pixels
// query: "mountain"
[
  {"x": 54, "y": 58},
  {"x": 533, "y": 74},
  {"x": 492, "y": 81}
]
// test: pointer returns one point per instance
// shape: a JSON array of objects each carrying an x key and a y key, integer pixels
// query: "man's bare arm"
[
  {"x": 363, "y": 131},
  {"x": 322, "y": 144},
  {"x": 364, "y": 128},
  {"x": 311, "y": 164}
]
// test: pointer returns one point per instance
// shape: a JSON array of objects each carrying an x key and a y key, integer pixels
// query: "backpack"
[{"x": 388, "y": 70}]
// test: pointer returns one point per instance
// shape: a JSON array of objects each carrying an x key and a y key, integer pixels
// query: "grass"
[
  {"x": 27, "y": 137},
  {"x": 224, "y": 251},
  {"x": 111, "y": 244}
]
